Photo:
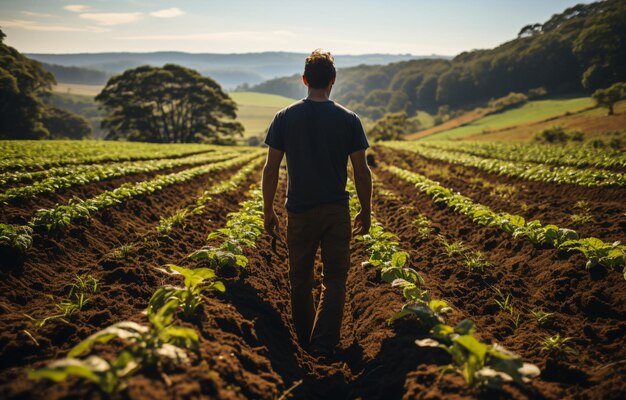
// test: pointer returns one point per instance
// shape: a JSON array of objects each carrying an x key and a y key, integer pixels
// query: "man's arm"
[
  {"x": 363, "y": 183},
  {"x": 270, "y": 184}
]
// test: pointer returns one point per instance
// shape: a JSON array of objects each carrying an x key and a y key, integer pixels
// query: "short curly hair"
[{"x": 319, "y": 69}]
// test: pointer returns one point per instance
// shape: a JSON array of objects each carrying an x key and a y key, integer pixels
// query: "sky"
[{"x": 419, "y": 27}]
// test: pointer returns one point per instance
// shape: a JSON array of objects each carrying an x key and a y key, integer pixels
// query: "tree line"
[{"x": 579, "y": 50}]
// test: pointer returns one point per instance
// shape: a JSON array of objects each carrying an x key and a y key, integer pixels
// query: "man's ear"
[{"x": 305, "y": 80}]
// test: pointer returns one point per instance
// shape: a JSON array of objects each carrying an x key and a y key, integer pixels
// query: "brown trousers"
[{"x": 327, "y": 226}]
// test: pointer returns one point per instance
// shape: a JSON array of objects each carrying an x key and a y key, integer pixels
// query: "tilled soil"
[{"x": 248, "y": 348}]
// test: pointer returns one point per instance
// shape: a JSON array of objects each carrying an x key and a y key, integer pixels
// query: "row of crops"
[
  {"x": 597, "y": 252},
  {"x": 162, "y": 339},
  {"x": 24, "y": 155},
  {"x": 480, "y": 364},
  {"x": 566, "y": 154},
  {"x": 530, "y": 170},
  {"x": 16, "y": 239}
]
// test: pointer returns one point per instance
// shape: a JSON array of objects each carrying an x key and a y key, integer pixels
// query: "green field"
[
  {"x": 256, "y": 110},
  {"x": 530, "y": 112}
]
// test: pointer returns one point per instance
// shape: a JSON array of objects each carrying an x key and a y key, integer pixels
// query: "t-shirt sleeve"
[
  {"x": 359, "y": 140},
  {"x": 275, "y": 136}
]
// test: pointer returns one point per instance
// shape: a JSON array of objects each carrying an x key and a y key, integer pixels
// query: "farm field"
[
  {"x": 533, "y": 111},
  {"x": 117, "y": 237},
  {"x": 256, "y": 110}
]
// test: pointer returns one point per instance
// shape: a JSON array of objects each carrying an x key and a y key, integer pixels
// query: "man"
[{"x": 318, "y": 136}]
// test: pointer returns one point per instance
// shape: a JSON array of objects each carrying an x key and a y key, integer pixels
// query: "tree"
[
  {"x": 172, "y": 104},
  {"x": 22, "y": 84},
  {"x": 63, "y": 124},
  {"x": 608, "y": 97},
  {"x": 392, "y": 127}
]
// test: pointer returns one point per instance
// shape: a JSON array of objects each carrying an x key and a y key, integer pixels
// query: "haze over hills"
[{"x": 230, "y": 70}]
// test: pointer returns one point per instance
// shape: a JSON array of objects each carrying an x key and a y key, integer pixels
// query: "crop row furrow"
[
  {"x": 481, "y": 364},
  {"x": 26, "y": 155},
  {"x": 162, "y": 339},
  {"x": 19, "y": 238},
  {"x": 572, "y": 155},
  {"x": 597, "y": 252},
  {"x": 99, "y": 173},
  {"x": 531, "y": 171}
]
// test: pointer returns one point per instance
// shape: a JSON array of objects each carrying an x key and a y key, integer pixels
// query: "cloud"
[
  {"x": 35, "y": 26},
  {"x": 168, "y": 13},
  {"x": 108, "y": 19},
  {"x": 36, "y": 14},
  {"x": 76, "y": 8}
]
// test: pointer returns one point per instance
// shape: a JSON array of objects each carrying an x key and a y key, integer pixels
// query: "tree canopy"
[
  {"x": 22, "y": 84},
  {"x": 172, "y": 104},
  {"x": 608, "y": 97}
]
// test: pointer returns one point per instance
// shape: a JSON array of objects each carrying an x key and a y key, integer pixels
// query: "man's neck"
[{"x": 318, "y": 95}]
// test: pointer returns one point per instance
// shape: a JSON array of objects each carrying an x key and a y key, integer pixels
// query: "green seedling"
[
  {"x": 505, "y": 302},
  {"x": 541, "y": 316},
  {"x": 453, "y": 249},
  {"x": 77, "y": 298},
  {"x": 177, "y": 219},
  {"x": 476, "y": 262},
  {"x": 423, "y": 226},
  {"x": 556, "y": 346},
  {"x": 197, "y": 282},
  {"x": 145, "y": 346},
  {"x": 124, "y": 251},
  {"x": 480, "y": 364}
]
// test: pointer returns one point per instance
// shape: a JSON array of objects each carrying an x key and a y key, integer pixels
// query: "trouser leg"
[
  {"x": 302, "y": 243},
  {"x": 335, "y": 245}
]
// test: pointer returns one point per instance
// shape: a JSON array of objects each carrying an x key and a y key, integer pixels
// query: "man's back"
[{"x": 317, "y": 137}]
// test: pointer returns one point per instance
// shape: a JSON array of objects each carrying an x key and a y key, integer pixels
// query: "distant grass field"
[
  {"x": 75, "y": 88},
  {"x": 532, "y": 111},
  {"x": 256, "y": 110},
  {"x": 593, "y": 122}
]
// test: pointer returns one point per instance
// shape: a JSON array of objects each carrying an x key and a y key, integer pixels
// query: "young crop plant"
[
  {"x": 503, "y": 191},
  {"x": 242, "y": 230},
  {"x": 15, "y": 240},
  {"x": 145, "y": 346},
  {"x": 177, "y": 219},
  {"x": 541, "y": 316},
  {"x": 75, "y": 300},
  {"x": 423, "y": 226},
  {"x": 583, "y": 216},
  {"x": 454, "y": 248},
  {"x": 599, "y": 252},
  {"x": 505, "y": 303},
  {"x": 556, "y": 346},
  {"x": 124, "y": 251},
  {"x": 476, "y": 262},
  {"x": 196, "y": 283},
  {"x": 481, "y": 365}
]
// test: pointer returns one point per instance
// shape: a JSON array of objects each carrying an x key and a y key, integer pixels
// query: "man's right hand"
[
  {"x": 271, "y": 222},
  {"x": 362, "y": 223}
]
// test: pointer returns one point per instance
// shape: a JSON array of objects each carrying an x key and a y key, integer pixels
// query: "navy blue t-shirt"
[{"x": 317, "y": 138}]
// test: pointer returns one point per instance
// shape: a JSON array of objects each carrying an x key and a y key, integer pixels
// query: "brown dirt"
[{"x": 248, "y": 347}]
